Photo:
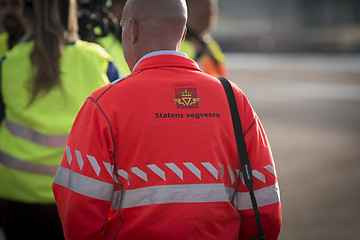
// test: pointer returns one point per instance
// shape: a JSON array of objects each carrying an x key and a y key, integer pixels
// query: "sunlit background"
[
  {"x": 298, "y": 62},
  {"x": 289, "y": 25}
]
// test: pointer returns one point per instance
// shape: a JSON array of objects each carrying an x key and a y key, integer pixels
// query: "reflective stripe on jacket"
[
  {"x": 32, "y": 138},
  {"x": 153, "y": 156}
]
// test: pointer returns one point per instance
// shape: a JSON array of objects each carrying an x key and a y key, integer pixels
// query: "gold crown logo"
[{"x": 186, "y": 93}]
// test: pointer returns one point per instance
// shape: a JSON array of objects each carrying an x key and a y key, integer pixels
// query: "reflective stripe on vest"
[
  {"x": 184, "y": 193},
  {"x": 36, "y": 137},
  {"x": 13, "y": 163}
]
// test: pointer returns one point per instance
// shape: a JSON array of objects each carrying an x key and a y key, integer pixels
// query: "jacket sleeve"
[
  {"x": 266, "y": 187},
  {"x": 84, "y": 185}
]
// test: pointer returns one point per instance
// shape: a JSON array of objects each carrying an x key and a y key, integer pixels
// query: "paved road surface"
[{"x": 310, "y": 108}]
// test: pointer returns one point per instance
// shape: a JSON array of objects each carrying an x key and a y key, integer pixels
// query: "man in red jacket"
[{"x": 153, "y": 155}]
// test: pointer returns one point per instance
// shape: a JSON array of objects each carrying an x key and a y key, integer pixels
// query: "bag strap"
[{"x": 241, "y": 146}]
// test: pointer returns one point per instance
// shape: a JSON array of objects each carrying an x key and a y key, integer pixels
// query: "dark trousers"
[{"x": 30, "y": 221}]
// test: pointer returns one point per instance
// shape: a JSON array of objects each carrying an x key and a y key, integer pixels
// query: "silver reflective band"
[
  {"x": 36, "y": 137},
  {"x": 194, "y": 193},
  {"x": 24, "y": 166},
  {"x": 84, "y": 185},
  {"x": 184, "y": 193},
  {"x": 264, "y": 196},
  {"x": 142, "y": 196}
]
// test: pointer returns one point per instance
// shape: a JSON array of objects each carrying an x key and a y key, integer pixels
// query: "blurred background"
[
  {"x": 298, "y": 62},
  {"x": 289, "y": 25}
]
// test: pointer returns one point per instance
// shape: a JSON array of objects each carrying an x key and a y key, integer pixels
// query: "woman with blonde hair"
[{"x": 43, "y": 83}]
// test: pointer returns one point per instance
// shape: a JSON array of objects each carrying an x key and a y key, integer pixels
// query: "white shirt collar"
[{"x": 162, "y": 52}]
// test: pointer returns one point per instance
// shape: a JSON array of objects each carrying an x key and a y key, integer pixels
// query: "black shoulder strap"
[{"x": 241, "y": 146}]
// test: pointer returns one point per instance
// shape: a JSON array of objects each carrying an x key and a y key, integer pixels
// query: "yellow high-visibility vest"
[
  {"x": 33, "y": 138},
  {"x": 213, "y": 65},
  {"x": 4, "y": 43},
  {"x": 113, "y": 46}
]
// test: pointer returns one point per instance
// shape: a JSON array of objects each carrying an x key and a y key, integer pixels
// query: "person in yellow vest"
[
  {"x": 112, "y": 41},
  {"x": 104, "y": 29},
  {"x": 198, "y": 44},
  {"x": 10, "y": 12},
  {"x": 44, "y": 82}
]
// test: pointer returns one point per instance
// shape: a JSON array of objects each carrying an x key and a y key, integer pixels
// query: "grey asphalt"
[{"x": 310, "y": 107}]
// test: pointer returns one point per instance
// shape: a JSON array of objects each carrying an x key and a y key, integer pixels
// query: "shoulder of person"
[
  {"x": 115, "y": 88},
  {"x": 96, "y": 95},
  {"x": 20, "y": 50},
  {"x": 93, "y": 48},
  {"x": 4, "y": 35},
  {"x": 215, "y": 48},
  {"x": 108, "y": 40},
  {"x": 188, "y": 48},
  {"x": 238, "y": 91}
]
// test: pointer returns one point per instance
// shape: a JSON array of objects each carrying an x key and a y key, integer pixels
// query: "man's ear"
[{"x": 134, "y": 30}]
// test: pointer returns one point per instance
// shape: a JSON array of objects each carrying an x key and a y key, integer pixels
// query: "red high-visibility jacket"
[{"x": 153, "y": 156}]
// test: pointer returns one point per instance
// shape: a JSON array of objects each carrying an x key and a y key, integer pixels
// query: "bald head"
[
  {"x": 152, "y": 25},
  {"x": 157, "y": 9}
]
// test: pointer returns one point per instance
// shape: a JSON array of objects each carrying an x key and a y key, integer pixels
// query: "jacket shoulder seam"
[
  {"x": 107, "y": 120},
  {"x": 115, "y": 83},
  {"x": 250, "y": 127}
]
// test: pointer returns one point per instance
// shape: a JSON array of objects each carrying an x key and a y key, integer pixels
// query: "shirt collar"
[{"x": 162, "y": 52}]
